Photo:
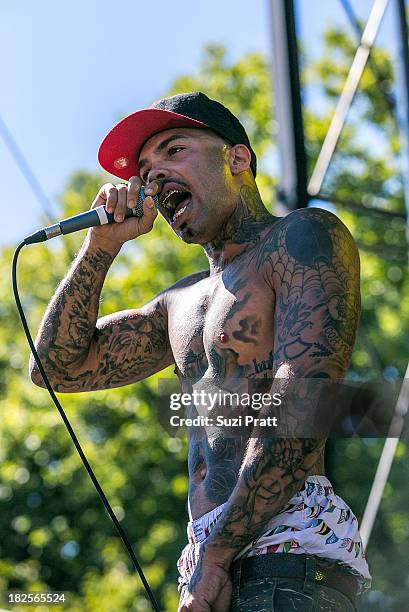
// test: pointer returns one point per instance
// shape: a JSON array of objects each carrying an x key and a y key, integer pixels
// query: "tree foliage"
[{"x": 55, "y": 533}]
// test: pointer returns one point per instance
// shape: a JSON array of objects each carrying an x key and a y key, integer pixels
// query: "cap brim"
[{"x": 119, "y": 151}]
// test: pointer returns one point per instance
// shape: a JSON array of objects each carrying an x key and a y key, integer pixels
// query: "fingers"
[
  {"x": 149, "y": 215},
  {"x": 152, "y": 189},
  {"x": 102, "y": 195},
  {"x": 134, "y": 186},
  {"x": 117, "y": 200},
  {"x": 118, "y": 197},
  {"x": 222, "y": 602},
  {"x": 189, "y": 604},
  {"x": 120, "y": 209}
]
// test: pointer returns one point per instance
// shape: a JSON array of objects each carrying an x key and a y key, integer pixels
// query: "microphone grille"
[{"x": 138, "y": 210}]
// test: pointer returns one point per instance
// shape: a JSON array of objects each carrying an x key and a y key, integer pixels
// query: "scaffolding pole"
[{"x": 292, "y": 191}]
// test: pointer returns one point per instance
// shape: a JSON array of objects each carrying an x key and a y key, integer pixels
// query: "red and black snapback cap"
[{"x": 119, "y": 151}]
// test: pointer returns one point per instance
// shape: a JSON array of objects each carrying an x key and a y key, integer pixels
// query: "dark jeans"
[{"x": 288, "y": 595}]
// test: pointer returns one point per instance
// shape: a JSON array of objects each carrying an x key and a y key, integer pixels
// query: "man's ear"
[{"x": 239, "y": 158}]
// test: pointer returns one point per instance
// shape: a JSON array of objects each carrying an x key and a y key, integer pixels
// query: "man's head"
[
  {"x": 191, "y": 145},
  {"x": 200, "y": 177}
]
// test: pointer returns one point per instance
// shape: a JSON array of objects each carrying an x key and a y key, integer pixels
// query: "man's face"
[{"x": 196, "y": 189}]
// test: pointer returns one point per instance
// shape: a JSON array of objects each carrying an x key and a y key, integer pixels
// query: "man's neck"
[{"x": 243, "y": 229}]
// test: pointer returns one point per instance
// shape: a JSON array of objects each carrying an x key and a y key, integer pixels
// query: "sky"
[{"x": 70, "y": 69}]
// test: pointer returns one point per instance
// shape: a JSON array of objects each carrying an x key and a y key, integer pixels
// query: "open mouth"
[{"x": 175, "y": 203}]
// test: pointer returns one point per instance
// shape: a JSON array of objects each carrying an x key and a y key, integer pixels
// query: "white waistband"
[{"x": 198, "y": 527}]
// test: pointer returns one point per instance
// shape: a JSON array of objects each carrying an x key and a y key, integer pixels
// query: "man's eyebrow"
[{"x": 161, "y": 146}]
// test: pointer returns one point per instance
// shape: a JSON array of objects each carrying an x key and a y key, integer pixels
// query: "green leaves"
[{"x": 58, "y": 533}]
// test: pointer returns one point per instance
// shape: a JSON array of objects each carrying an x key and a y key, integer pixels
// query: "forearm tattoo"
[
  {"x": 80, "y": 354},
  {"x": 68, "y": 326},
  {"x": 273, "y": 470}
]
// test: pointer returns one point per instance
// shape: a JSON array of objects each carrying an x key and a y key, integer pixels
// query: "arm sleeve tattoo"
[
  {"x": 312, "y": 265},
  {"x": 81, "y": 353}
]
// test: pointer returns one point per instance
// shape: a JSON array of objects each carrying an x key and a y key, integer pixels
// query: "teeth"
[
  {"x": 165, "y": 201},
  {"x": 179, "y": 212}
]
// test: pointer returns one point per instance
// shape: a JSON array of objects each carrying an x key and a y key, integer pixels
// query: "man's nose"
[{"x": 157, "y": 173}]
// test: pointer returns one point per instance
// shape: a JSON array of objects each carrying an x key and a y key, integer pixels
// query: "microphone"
[{"x": 91, "y": 218}]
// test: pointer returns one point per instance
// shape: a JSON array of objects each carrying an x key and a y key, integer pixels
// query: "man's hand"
[
  {"x": 209, "y": 590},
  {"x": 117, "y": 198}
]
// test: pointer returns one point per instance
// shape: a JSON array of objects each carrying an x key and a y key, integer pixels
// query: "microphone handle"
[{"x": 90, "y": 218}]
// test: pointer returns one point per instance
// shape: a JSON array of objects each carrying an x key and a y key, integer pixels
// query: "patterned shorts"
[{"x": 315, "y": 521}]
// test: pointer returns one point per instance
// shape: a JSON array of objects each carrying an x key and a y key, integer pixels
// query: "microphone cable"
[{"x": 74, "y": 438}]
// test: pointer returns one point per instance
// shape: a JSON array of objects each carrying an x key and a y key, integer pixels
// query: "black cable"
[{"x": 74, "y": 438}]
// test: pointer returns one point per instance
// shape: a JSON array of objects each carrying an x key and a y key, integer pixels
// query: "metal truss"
[{"x": 294, "y": 191}]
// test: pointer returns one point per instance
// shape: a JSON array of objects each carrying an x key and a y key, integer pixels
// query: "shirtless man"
[{"x": 280, "y": 300}]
